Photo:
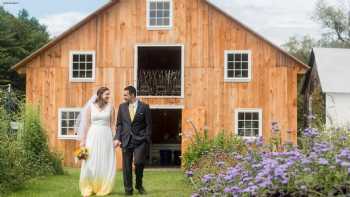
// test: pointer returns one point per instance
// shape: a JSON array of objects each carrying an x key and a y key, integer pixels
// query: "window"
[
  {"x": 82, "y": 66},
  {"x": 238, "y": 66},
  {"x": 159, "y": 14},
  {"x": 248, "y": 123},
  {"x": 66, "y": 122}
]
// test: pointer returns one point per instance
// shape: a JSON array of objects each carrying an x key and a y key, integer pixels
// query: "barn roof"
[
  {"x": 111, "y": 3},
  {"x": 333, "y": 68}
]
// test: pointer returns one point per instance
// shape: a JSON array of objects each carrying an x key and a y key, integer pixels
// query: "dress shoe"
[{"x": 141, "y": 190}]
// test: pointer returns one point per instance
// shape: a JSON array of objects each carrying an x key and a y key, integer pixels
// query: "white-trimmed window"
[
  {"x": 248, "y": 123},
  {"x": 238, "y": 66},
  {"x": 159, "y": 14},
  {"x": 82, "y": 66},
  {"x": 66, "y": 122}
]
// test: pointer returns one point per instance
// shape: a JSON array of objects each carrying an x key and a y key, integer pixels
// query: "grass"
[{"x": 157, "y": 183}]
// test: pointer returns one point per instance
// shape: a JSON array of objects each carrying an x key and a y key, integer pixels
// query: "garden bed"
[{"x": 319, "y": 166}]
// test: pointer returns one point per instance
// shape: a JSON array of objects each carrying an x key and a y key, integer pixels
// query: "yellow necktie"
[{"x": 132, "y": 111}]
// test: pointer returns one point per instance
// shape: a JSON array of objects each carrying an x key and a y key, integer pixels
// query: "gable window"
[
  {"x": 82, "y": 66},
  {"x": 159, "y": 14},
  {"x": 66, "y": 122},
  {"x": 238, "y": 66},
  {"x": 248, "y": 123}
]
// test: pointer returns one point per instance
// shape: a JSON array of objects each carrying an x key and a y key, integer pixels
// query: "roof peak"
[{"x": 112, "y": 2}]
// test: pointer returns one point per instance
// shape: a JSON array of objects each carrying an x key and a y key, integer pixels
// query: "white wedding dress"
[{"x": 98, "y": 171}]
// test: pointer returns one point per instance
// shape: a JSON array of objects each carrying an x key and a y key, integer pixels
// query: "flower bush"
[{"x": 320, "y": 166}]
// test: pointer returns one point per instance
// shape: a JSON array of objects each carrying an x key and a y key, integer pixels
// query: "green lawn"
[{"x": 157, "y": 184}]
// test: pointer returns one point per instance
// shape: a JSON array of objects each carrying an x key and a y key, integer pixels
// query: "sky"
[{"x": 276, "y": 20}]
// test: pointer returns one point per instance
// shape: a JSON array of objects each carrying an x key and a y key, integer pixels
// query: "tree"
[
  {"x": 336, "y": 21},
  {"x": 19, "y": 37},
  {"x": 300, "y": 48}
]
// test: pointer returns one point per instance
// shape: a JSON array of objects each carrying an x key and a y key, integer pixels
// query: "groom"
[{"x": 134, "y": 126}]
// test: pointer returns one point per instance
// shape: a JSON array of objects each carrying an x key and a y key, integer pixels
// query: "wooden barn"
[{"x": 192, "y": 62}]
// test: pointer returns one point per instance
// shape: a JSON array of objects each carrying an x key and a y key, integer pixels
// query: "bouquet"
[{"x": 81, "y": 154}]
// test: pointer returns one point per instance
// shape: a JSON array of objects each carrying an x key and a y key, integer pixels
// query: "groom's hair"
[{"x": 131, "y": 90}]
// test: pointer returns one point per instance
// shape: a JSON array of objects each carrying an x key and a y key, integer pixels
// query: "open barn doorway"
[
  {"x": 165, "y": 149},
  {"x": 159, "y": 70}
]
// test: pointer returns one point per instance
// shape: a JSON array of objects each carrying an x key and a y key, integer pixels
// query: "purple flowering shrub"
[{"x": 320, "y": 166}]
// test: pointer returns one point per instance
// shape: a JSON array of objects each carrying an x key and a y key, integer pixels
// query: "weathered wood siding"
[{"x": 205, "y": 33}]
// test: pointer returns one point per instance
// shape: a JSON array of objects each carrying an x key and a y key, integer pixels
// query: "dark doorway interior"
[
  {"x": 165, "y": 149},
  {"x": 159, "y": 70}
]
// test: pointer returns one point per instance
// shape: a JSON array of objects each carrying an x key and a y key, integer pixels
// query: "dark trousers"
[{"x": 139, "y": 153}]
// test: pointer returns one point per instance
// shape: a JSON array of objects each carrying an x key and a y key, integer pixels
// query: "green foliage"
[
  {"x": 203, "y": 145},
  {"x": 300, "y": 48},
  {"x": 319, "y": 166},
  {"x": 11, "y": 165},
  {"x": 319, "y": 109},
  {"x": 19, "y": 36},
  {"x": 24, "y": 155},
  {"x": 33, "y": 140},
  {"x": 11, "y": 102},
  {"x": 334, "y": 19}
]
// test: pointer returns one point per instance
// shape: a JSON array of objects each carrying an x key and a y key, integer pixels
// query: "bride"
[{"x": 94, "y": 127}]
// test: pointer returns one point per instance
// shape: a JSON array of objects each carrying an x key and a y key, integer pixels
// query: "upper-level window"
[
  {"x": 238, "y": 66},
  {"x": 159, "y": 14},
  {"x": 82, "y": 66}
]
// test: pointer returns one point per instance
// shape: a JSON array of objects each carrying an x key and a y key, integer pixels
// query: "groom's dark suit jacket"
[{"x": 139, "y": 129}]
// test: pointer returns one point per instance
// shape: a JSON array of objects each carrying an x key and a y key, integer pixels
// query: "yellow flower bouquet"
[{"x": 81, "y": 153}]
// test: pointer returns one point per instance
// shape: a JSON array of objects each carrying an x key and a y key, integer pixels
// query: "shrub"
[
  {"x": 25, "y": 155},
  {"x": 56, "y": 160},
  {"x": 11, "y": 166},
  {"x": 11, "y": 102},
  {"x": 320, "y": 168},
  {"x": 202, "y": 146},
  {"x": 39, "y": 160}
]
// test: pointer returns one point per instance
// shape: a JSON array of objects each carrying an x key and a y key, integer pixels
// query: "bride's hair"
[{"x": 99, "y": 100}]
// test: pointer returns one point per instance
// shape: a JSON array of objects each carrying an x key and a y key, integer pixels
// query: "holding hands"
[{"x": 117, "y": 143}]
